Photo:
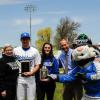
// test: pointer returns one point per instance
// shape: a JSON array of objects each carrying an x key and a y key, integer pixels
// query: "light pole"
[{"x": 30, "y": 8}]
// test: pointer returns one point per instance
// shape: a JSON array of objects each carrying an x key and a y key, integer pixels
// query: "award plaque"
[
  {"x": 25, "y": 66},
  {"x": 43, "y": 72}
]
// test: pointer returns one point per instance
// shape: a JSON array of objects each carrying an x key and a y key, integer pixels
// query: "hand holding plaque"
[{"x": 43, "y": 73}]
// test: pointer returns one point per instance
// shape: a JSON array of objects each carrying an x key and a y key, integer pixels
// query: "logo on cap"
[{"x": 25, "y": 35}]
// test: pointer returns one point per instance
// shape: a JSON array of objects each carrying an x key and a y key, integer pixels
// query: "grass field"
[{"x": 58, "y": 91}]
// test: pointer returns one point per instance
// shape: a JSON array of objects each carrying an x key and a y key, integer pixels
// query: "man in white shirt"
[{"x": 29, "y": 60}]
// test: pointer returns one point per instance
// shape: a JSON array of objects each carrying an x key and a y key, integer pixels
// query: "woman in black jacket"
[{"x": 8, "y": 74}]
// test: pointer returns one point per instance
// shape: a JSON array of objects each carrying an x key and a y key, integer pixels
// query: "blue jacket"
[
  {"x": 52, "y": 65},
  {"x": 92, "y": 78}
]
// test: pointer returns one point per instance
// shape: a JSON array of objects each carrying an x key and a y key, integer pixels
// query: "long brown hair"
[{"x": 44, "y": 55}]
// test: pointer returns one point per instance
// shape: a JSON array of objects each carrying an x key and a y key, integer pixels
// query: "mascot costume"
[{"x": 85, "y": 69}]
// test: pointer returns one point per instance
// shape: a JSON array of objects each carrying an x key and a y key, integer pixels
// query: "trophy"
[{"x": 43, "y": 72}]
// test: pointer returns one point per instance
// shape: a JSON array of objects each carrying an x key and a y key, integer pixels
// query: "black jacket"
[{"x": 8, "y": 72}]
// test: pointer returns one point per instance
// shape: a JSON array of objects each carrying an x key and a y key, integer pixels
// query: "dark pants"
[
  {"x": 11, "y": 93},
  {"x": 47, "y": 89},
  {"x": 2, "y": 98},
  {"x": 73, "y": 91}
]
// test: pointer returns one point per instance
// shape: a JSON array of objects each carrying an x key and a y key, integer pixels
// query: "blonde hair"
[{"x": 6, "y": 46}]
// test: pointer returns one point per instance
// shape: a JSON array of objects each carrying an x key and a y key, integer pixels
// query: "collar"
[{"x": 26, "y": 48}]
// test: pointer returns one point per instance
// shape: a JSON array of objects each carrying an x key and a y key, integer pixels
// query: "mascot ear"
[{"x": 97, "y": 50}]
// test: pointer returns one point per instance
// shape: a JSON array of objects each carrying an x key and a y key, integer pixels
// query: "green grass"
[{"x": 58, "y": 91}]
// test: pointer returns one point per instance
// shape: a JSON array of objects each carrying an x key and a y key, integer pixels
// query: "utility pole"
[{"x": 30, "y": 8}]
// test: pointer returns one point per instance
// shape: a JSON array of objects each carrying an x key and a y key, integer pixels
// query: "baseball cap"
[
  {"x": 25, "y": 35},
  {"x": 83, "y": 39}
]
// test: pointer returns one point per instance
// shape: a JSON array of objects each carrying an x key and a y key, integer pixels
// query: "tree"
[
  {"x": 43, "y": 36},
  {"x": 66, "y": 28}
]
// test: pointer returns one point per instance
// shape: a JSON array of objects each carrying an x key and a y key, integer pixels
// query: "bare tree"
[{"x": 66, "y": 28}]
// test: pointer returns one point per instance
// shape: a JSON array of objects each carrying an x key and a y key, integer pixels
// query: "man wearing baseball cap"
[{"x": 28, "y": 60}]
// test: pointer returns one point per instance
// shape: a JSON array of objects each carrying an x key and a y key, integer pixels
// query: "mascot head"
[{"x": 84, "y": 54}]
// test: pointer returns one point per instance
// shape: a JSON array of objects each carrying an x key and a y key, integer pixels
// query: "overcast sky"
[{"x": 14, "y": 19}]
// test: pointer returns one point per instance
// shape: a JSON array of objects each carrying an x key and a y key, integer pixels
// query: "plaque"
[
  {"x": 43, "y": 72},
  {"x": 25, "y": 66}
]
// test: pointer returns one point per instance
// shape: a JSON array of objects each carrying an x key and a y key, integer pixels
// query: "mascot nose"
[{"x": 79, "y": 49}]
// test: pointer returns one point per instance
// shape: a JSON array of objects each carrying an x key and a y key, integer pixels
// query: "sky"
[{"x": 14, "y": 19}]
